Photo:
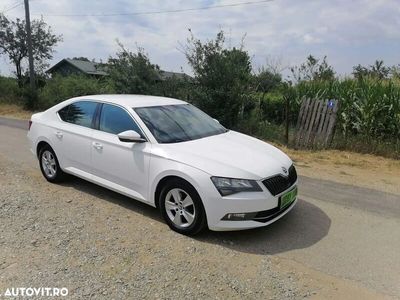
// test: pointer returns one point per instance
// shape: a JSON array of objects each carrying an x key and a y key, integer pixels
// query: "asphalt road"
[{"x": 344, "y": 231}]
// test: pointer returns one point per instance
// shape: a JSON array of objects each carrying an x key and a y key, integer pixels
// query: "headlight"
[{"x": 229, "y": 186}]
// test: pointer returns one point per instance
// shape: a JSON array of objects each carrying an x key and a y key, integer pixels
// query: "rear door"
[
  {"x": 119, "y": 165},
  {"x": 72, "y": 138}
]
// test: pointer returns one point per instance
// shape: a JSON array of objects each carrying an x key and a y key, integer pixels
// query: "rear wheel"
[
  {"x": 49, "y": 165},
  {"x": 182, "y": 208}
]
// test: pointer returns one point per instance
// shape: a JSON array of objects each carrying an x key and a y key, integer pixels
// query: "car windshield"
[{"x": 178, "y": 123}]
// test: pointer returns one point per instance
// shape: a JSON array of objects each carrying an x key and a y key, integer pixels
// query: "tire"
[
  {"x": 49, "y": 165},
  {"x": 182, "y": 208}
]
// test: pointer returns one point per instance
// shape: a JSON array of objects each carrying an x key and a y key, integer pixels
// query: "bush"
[
  {"x": 9, "y": 92},
  {"x": 366, "y": 144},
  {"x": 132, "y": 72},
  {"x": 61, "y": 88},
  {"x": 175, "y": 87}
]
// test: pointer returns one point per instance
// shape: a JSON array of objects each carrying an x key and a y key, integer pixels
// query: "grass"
[
  {"x": 14, "y": 111},
  {"x": 389, "y": 148}
]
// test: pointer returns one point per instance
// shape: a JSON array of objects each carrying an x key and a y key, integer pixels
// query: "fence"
[{"x": 316, "y": 123}]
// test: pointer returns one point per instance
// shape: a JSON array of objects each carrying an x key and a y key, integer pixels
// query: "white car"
[{"x": 169, "y": 154}]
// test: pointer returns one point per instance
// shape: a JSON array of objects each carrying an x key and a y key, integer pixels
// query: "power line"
[
  {"x": 156, "y": 12},
  {"x": 15, "y": 5}
]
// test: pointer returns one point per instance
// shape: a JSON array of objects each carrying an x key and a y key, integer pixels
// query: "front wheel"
[{"x": 181, "y": 208}]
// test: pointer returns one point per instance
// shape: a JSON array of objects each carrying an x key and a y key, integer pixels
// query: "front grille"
[{"x": 277, "y": 184}]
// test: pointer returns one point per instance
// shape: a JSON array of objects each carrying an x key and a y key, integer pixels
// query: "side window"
[
  {"x": 114, "y": 119},
  {"x": 79, "y": 113},
  {"x": 63, "y": 113}
]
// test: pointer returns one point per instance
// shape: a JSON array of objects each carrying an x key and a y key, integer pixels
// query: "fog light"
[{"x": 238, "y": 216}]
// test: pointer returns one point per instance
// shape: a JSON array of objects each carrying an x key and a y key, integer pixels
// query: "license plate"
[{"x": 288, "y": 198}]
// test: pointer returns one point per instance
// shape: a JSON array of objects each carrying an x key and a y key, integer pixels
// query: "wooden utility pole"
[
  {"x": 29, "y": 42},
  {"x": 287, "y": 120}
]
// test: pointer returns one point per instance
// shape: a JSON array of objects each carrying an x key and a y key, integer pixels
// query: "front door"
[{"x": 122, "y": 166}]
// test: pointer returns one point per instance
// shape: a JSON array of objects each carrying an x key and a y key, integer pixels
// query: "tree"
[
  {"x": 395, "y": 71},
  {"x": 313, "y": 69},
  {"x": 175, "y": 87},
  {"x": 222, "y": 77},
  {"x": 13, "y": 43},
  {"x": 132, "y": 73},
  {"x": 377, "y": 71},
  {"x": 83, "y": 58},
  {"x": 360, "y": 71},
  {"x": 266, "y": 80}
]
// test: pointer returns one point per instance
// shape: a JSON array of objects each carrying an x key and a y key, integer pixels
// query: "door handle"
[
  {"x": 59, "y": 134},
  {"x": 98, "y": 146}
]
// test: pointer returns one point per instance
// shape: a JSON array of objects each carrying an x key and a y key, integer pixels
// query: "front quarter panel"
[{"x": 161, "y": 167}]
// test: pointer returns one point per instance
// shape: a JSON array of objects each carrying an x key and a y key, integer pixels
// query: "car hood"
[{"x": 230, "y": 154}]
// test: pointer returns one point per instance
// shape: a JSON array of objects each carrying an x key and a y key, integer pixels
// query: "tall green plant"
[
  {"x": 369, "y": 107},
  {"x": 222, "y": 78}
]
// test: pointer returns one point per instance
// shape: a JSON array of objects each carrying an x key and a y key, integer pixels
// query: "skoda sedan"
[{"x": 169, "y": 154}]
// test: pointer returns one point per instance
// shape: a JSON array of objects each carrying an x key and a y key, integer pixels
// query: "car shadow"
[
  {"x": 105, "y": 194},
  {"x": 302, "y": 227}
]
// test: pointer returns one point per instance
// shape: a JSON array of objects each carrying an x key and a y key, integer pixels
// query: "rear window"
[{"x": 79, "y": 113}]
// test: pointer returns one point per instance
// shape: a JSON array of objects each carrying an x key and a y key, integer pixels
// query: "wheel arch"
[
  {"x": 40, "y": 144},
  {"x": 168, "y": 177}
]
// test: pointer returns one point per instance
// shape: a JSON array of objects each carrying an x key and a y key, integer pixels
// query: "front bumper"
[
  {"x": 261, "y": 209},
  {"x": 242, "y": 225}
]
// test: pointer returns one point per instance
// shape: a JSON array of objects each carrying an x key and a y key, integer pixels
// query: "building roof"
[
  {"x": 167, "y": 75},
  {"x": 87, "y": 67},
  {"x": 132, "y": 100},
  {"x": 93, "y": 68}
]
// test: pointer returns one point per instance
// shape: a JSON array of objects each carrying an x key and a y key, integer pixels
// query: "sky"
[{"x": 348, "y": 32}]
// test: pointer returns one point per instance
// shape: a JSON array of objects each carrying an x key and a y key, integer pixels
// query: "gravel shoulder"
[{"x": 103, "y": 245}]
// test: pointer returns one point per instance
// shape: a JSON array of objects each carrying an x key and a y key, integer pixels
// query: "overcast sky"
[{"x": 349, "y": 32}]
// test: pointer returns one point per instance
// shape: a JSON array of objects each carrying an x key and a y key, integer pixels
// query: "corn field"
[{"x": 368, "y": 107}]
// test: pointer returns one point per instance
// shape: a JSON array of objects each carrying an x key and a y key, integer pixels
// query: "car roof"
[{"x": 132, "y": 100}]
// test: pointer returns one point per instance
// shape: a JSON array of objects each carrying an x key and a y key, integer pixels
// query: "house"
[
  {"x": 69, "y": 66},
  {"x": 168, "y": 75}
]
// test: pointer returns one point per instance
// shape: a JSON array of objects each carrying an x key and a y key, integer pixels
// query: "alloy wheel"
[
  {"x": 49, "y": 164},
  {"x": 180, "y": 208}
]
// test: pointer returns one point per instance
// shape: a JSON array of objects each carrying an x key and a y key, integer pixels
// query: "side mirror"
[{"x": 130, "y": 136}]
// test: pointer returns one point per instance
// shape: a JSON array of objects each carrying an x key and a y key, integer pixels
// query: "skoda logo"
[{"x": 284, "y": 170}]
